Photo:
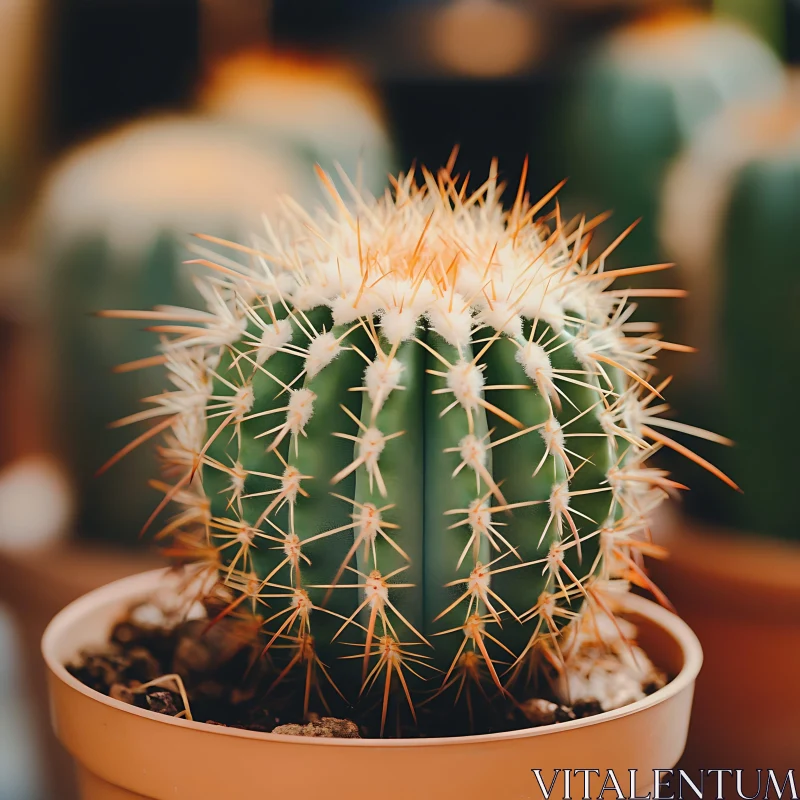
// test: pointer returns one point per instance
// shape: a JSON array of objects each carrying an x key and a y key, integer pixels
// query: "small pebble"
[
  {"x": 148, "y": 615},
  {"x": 586, "y": 708},
  {"x": 564, "y": 714},
  {"x": 539, "y": 712},
  {"x": 162, "y": 703},
  {"x": 327, "y": 728}
]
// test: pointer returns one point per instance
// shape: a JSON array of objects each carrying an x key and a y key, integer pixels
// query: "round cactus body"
[
  {"x": 730, "y": 204},
  {"x": 111, "y": 231},
  {"x": 638, "y": 100},
  {"x": 323, "y": 110},
  {"x": 411, "y": 440}
]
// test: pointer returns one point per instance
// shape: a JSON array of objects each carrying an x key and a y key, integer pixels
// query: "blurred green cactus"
[
  {"x": 111, "y": 230},
  {"x": 412, "y": 439},
  {"x": 638, "y": 99},
  {"x": 730, "y": 206},
  {"x": 323, "y": 110}
]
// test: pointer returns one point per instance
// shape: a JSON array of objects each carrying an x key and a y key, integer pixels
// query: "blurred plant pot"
[
  {"x": 123, "y": 752},
  {"x": 35, "y": 582},
  {"x": 729, "y": 203},
  {"x": 741, "y": 595}
]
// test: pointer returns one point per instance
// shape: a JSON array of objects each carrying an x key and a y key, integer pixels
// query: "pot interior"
[
  {"x": 87, "y": 623},
  {"x": 664, "y": 650}
]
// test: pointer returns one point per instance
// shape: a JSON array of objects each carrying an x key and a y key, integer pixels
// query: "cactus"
[
  {"x": 637, "y": 101},
  {"x": 412, "y": 439},
  {"x": 111, "y": 231},
  {"x": 729, "y": 206},
  {"x": 323, "y": 110}
]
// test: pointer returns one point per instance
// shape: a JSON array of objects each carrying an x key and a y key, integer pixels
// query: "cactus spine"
[{"x": 412, "y": 436}]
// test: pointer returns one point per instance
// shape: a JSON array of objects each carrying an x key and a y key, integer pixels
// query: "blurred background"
[{"x": 126, "y": 126}]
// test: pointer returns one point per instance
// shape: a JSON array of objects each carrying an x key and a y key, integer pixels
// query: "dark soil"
[{"x": 227, "y": 683}]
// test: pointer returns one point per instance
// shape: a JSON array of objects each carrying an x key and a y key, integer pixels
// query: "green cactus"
[
  {"x": 111, "y": 231},
  {"x": 638, "y": 99},
  {"x": 729, "y": 208},
  {"x": 412, "y": 440},
  {"x": 321, "y": 109}
]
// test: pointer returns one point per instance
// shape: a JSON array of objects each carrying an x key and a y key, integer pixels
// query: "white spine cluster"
[
  {"x": 465, "y": 381},
  {"x": 273, "y": 339},
  {"x": 381, "y": 378},
  {"x": 321, "y": 351}
]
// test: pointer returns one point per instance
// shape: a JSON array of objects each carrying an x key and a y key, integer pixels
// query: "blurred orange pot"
[
  {"x": 125, "y": 753},
  {"x": 741, "y": 595}
]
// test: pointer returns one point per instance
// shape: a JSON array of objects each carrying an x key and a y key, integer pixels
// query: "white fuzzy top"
[
  {"x": 705, "y": 62},
  {"x": 461, "y": 265},
  {"x": 168, "y": 173},
  {"x": 325, "y": 107},
  {"x": 677, "y": 45}
]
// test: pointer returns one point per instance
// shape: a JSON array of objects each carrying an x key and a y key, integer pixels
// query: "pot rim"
[{"x": 143, "y": 582}]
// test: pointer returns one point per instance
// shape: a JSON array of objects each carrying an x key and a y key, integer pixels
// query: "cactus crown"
[{"x": 410, "y": 435}]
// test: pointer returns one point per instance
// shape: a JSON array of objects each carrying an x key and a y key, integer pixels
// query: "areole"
[{"x": 124, "y": 753}]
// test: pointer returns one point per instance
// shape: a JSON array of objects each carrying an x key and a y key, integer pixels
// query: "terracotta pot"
[
  {"x": 741, "y": 595},
  {"x": 62, "y": 571},
  {"x": 125, "y": 753}
]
